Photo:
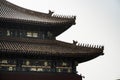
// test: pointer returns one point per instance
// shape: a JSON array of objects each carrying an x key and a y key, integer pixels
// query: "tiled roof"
[
  {"x": 47, "y": 47},
  {"x": 13, "y": 12}
]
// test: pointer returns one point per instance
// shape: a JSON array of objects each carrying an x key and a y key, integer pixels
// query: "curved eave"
[
  {"x": 47, "y": 48},
  {"x": 32, "y": 22},
  {"x": 89, "y": 56},
  {"x": 80, "y": 57},
  {"x": 55, "y": 28}
]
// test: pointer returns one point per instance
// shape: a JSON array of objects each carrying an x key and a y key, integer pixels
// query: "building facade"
[{"x": 29, "y": 49}]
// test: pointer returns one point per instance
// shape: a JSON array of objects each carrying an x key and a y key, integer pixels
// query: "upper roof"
[
  {"x": 26, "y": 46},
  {"x": 10, "y": 12}
]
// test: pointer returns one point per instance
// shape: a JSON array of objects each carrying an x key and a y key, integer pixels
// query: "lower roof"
[{"x": 28, "y": 46}]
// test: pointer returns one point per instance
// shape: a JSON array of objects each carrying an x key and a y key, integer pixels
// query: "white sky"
[{"x": 98, "y": 22}]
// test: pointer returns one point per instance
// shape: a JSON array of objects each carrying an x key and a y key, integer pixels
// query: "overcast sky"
[{"x": 97, "y": 23}]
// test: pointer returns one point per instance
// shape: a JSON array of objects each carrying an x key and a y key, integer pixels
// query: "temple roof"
[
  {"x": 9, "y": 11},
  {"x": 49, "y": 47}
]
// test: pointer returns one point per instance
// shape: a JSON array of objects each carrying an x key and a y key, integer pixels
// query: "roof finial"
[
  {"x": 50, "y": 13},
  {"x": 75, "y": 42},
  {"x": 74, "y": 17}
]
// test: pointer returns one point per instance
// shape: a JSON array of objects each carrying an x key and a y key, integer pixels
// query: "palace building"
[{"x": 29, "y": 49}]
